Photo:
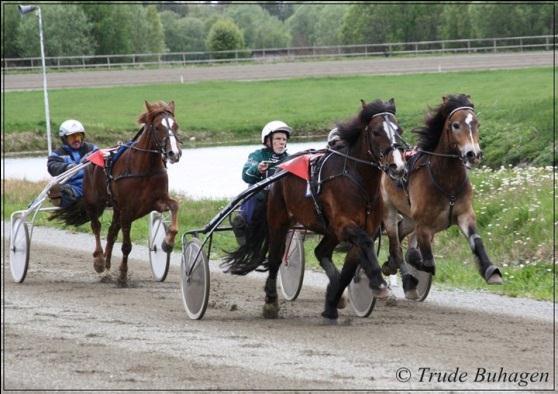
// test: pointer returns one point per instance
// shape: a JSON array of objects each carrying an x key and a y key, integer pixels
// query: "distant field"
[{"x": 515, "y": 109}]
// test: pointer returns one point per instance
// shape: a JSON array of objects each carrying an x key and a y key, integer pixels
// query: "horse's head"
[
  {"x": 162, "y": 127},
  {"x": 383, "y": 136},
  {"x": 462, "y": 129}
]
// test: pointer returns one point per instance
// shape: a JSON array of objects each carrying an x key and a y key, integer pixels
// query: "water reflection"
[{"x": 213, "y": 172}]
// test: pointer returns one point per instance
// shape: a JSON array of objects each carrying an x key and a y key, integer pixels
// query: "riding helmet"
[{"x": 273, "y": 127}]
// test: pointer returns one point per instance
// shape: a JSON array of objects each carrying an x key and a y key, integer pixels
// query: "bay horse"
[
  {"x": 136, "y": 184},
  {"x": 438, "y": 193},
  {"x": 349, "y": 202}
]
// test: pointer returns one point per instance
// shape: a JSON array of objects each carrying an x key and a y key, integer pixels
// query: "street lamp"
[{"x": 26, "y": 9}]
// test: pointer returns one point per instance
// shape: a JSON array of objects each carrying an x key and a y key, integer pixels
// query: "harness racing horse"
[
  {"x": 438, "y": 194},
  {"x": 348, "y": 208},
  {"x": 136, "y": 185}
]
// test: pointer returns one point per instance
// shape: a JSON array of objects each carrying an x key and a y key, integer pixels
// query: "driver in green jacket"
[{"x": 261, "y": 164}]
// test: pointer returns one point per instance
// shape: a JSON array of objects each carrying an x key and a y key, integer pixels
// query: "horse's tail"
[
  {"x": 253, "y": 253},
  {"x": 74, "y": 214}
]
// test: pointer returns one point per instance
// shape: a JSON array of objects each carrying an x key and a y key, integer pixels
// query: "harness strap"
[{"x": 452, "y": 197}]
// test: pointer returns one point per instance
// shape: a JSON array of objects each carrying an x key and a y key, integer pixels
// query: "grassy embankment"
[
  {"x": 514, "y": 213},
  {"x": 515, "y": 108}
]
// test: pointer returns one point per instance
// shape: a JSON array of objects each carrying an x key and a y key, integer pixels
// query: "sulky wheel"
[
  {"x": 291, "y": 271},
  {"x": 360, "y": 294},
  {"x": 194, "y": 279},
  {"x": 19, "y": 249},
  {"x": 158, "y": 258}
]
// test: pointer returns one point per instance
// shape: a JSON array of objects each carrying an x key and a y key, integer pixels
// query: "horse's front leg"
[
  {"x": 98, "y": 258},
  {"x": 490, "y": 273},
  {"x": 126, "y": 249},
  {"x": 111, "y": 237},
  {"x": 172, "y": 206},
  {"x": 369, "y": 261},
  {"x": 276, "y": 250},
  {"x": 323, "y": 253}
]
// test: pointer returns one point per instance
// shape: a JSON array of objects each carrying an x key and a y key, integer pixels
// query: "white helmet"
[
  {"x": 333, "y": 136},
  {"x": 70, "y": 127},
  {"x": 274, "y": 126}
]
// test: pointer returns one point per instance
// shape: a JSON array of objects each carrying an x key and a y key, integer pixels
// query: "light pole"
[{"x": 26, "y": 9}]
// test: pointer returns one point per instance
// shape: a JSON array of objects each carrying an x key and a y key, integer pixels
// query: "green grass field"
[
  {"x": 515, "y": 218},
  {"x": 515, "y": 109}
]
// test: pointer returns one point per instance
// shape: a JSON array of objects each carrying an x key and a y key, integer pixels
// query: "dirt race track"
[
  {"x": 65, "y": 330},
  {"x": 234, "y": 72}
]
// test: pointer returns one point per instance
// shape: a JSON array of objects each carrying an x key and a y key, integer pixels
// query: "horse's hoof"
[
  {"x": 342, "y": 303},
  {"x": 391, "y": 300},
  {"x": 412, "y": 294},
  {"x": 99, "y": 264},
  {"x": 122, "y": 282},
  {"x": 381, "y": 293},
  {"x": 166, "y": 247},
  {"x": 493, "y": 276},
  {"x": 270, "y": 311},
  {"x": 330, "y": 314},
  {"x": 329, "y": 322},
  {"x": 387, "y": 270},
  {"x": 410, "y": 283},
  {"x": 413, "y": 257},
  {"x": 105, "y": 277}
]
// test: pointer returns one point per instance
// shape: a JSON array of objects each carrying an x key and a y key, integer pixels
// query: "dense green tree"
[
  {"x": 10, "y": 24},
  {"x": 155, "y": 35},
  {"x": 224, "y": 35},
  {"x": 367, "y": 23},
  {"x": 111, "y": 27},
  {"x": 455, "y": 22},
  {"x": 495, "y": 20},
  {"x": 248, "y": 17},
  {"x": 66, "y": 32},
  {"x": 183, "y": 34},
  {"x": 279, "y": 9},
  {"x": 329, "y": 24},
  {"x": 178, "y": 7},
  {"x": 271, "y": 34},
  {"x": 302, "y": 24}
]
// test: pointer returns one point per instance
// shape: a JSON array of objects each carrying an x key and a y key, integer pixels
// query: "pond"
[{"x": 213, "y": 172}]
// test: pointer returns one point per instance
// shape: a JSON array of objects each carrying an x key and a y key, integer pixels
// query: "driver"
[
  {"x": 261, "y": 164},
  {"x": 73, "y": 150}
]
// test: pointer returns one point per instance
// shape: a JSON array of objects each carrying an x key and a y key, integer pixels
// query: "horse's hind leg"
[
  {"x": 126, "y": 249},
  {"x": 391, "y": 226},
  {"x": 111, "y": 237},
  {"x": 489, "y": 271},
  {"x": 276, "y": 251},
  {"x": 424, "y": 239},
  {"x": 323, "y": 253},
  {"x": 172, "y": 205}
]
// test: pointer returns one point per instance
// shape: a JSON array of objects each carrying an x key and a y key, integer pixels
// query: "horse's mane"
[
  {"x": 350, "y": 130},
  {"x": 154, "y": 110},
  {"x": 429, "y": 135}
]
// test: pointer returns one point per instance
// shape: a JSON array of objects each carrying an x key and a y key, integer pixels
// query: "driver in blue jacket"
[{"x": 70, "y": 154}]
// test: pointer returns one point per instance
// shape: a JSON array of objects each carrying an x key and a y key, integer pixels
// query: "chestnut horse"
[
  {"x": 438, "y": 193},
  {"x": 350, "y": 205},
  {"x": 137, "y": 184}
]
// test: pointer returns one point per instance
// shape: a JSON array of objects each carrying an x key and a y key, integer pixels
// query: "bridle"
[
  {"x": 449, "y": 155},
  {"x": 159, "y": 143},
  {"x": 396, "y": 142}
]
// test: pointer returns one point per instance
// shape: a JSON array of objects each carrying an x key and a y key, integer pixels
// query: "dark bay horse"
[
  {"x": 350, "y": 205},
  {"x": 439, "y": 193},
  {"x": 138, "y": 185}
]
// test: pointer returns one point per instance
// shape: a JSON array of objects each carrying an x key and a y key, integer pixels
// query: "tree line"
[{"x": 73, "y": 28}]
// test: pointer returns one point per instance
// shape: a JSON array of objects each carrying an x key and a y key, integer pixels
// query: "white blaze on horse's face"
[
  {"x": 174, "y": 155},
  {"x": 390, "y": 129},
  {"x": 469, "y": 147}
]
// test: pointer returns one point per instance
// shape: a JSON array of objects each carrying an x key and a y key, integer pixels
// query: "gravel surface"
[
  {"x": 372, "y": 66},
  {"x": 64, "y": 329}
]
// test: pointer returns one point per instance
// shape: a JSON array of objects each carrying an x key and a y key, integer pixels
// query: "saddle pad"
[
  {"x": 98, "y": 157},
  {"x": 299, "y": 166}
]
